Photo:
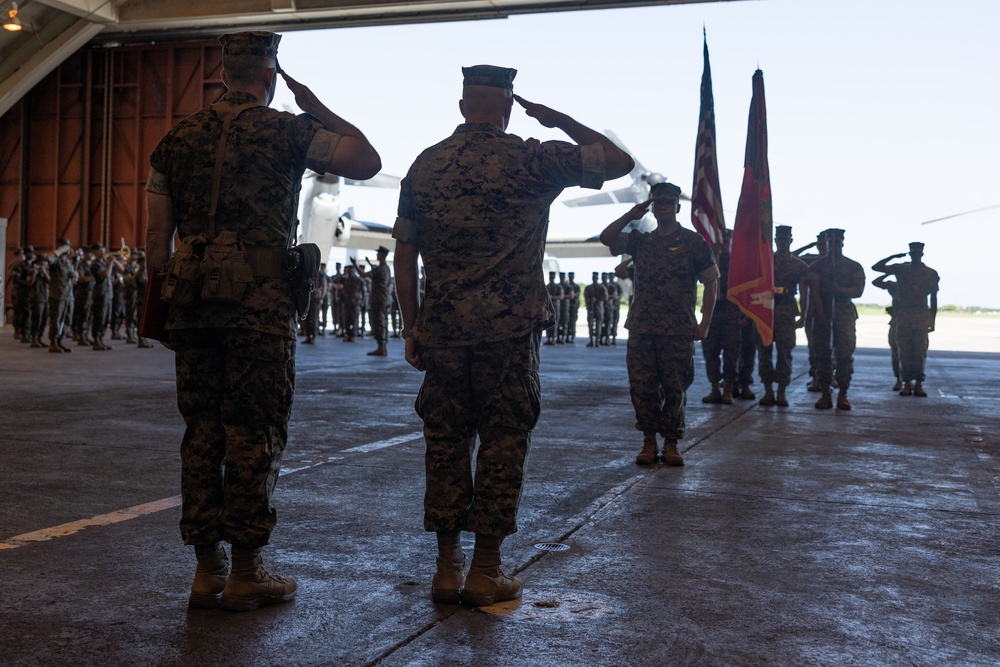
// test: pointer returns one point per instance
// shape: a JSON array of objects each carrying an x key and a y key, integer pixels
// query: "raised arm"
[
  {"x": 354, "y": 156},
  {"x": 611, "y": 232},
  {"x": 883, "y": 266},
  {"x": 616, "y": 161}
]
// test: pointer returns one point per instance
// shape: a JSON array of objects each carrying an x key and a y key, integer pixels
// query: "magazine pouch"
[
  {"x": 181, "y": 277},
  {"x": 225, "y": 270}
]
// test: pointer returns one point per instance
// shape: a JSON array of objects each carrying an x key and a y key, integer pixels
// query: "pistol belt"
[{"x": 267, "y": 262}]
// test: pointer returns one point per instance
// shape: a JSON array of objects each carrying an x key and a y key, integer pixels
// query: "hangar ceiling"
[{"x": 55, "y": 29}]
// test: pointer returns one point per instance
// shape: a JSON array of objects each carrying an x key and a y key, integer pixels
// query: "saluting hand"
[
  {"x": 640, "y": 209},
  {"x": 543, "y": 114},
  {"x": 304, "y": 97}
]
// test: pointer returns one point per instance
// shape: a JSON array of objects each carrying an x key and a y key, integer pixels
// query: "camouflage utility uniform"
[
  {"x": 378, "y": 313},
  {"x": 789, "y": 271},
  {"x": 724, "y": 335},
  {"x": 476, "y": 206},
  {"x": 834, "y": 340},
  {"x": 236, "y": 362},
  {"x": 661, "y": 324},
  {"x": 595, "y": 294},
  {"x": 913, "y": 318},
  {"x": 62, "y": 273}
]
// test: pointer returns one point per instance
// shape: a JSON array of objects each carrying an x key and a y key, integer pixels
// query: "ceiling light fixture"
[{"x": 13, "y": 23}]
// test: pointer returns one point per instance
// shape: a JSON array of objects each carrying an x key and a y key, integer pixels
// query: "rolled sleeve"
[
  {"x": 158, "y": 183},
  {"x": 620, "y": 246},
  {"x": 709, "y": 274},
  {"x": 321, "y": 151},
  {"x": 592, "y": 164},
  {"x": 405, "y": 231}
]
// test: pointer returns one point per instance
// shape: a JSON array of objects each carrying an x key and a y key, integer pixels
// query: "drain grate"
[{"x": 551, "y": 546}]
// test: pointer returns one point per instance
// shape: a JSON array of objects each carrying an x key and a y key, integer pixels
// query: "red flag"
[
  {"x": 706, "y": 197},
  {"x": 751, "y": 263}
]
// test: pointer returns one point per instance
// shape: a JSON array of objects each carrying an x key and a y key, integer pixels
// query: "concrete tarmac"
[{"x": 792, "y": 536}]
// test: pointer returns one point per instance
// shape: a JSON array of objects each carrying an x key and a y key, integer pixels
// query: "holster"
[{"x": 302, "y": 269}]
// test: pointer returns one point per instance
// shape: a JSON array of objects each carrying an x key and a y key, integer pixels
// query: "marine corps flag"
[
  {"x": 706, "y": 197},
  {"x": 751, "y": 262}
]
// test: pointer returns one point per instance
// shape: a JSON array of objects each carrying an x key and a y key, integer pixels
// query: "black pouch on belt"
[{"x": 303, "y": 271}]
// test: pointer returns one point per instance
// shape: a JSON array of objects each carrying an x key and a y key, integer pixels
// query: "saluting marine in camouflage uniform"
[
  {"x": 789, "y": 278},
  {"x": 916, "y": 283},
  {"x": 820, "y": 245},
  {"x": 669, "y": 262},
  {"x": 883, "y": 282},
  {"x": 236, "y": 361},
  {"x": 833, "y": 281},
  {"x": 381, "y": 283},
  {"x": 476, "y": 208},
  {"x": 595, "y": 295}
]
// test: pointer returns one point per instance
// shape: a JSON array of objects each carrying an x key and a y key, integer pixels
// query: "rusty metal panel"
[{"x": 74, "y": 155}]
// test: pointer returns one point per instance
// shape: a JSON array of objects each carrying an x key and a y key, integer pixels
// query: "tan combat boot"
[
  {"x": 379, "y": 351},
  {"x": 780, "y": 399},
  {"x": 727, "y": 393},
  {"x": 825, "y": 401},
  {"x": 746, "y": 393},
  {"x": 54, "y": 348},
  {"x": 671, "y": 456},
  {"x": 486, "y": 583},
  {"x": 647, "y": 456},
  {"x": 250, "y": 585},
  {"x": 918, "y": 389},
  {"x": 906, "y": 390},
  {"x": 449, "y": 578},
  {"x": 714, "y": 396},
  {"x": 768, "y": 398},
  {"x": 209, "y": 577},
  {"x": 842, "y": 402}
]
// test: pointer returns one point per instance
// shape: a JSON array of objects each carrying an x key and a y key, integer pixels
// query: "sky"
[{"x": 880, "y": 115}]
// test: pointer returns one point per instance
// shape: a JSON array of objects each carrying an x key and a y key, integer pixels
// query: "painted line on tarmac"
[
  {"x": 72, "y": 527},
  {"x": 382, "y": 444},
  {"x": 136, "y": 511}
]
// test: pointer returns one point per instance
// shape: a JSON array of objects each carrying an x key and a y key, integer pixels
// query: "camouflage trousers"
[
  {"x": 660, "y": 369},
  {"x": 574, "y": 315},
  {"x": 350, "y": 319},
  {"x": 895, "y": 349},
  {"x": 912, "y": 341},
  {"x": 234, "y": 390},
  {"x": 780, "y": 369},
  {"x": 490, "y": 390},
  {"x": 100, "y": 315},
  {"x": 311, "y": 325},
  {"x": 552, "y": 333},
  {"x": 595, "y": 320},
  {"x": 834, "y": 345},
  {"x": 748, "y": 351},
  {"x": 378, "y": 314},
  {"x": 723, "y": 338},
  {"x": 59, "y": 313}
]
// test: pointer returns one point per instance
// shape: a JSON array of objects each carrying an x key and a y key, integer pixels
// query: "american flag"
[
  {"x": 751, "y": 262},
  {"x": 706, "y": 198}
]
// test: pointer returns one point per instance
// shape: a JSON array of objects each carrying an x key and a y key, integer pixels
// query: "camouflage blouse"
[
  {"x": 667, "y": 270},
  {"x": 266, "y": 155},
  {"x": 476, "y": 205}
]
